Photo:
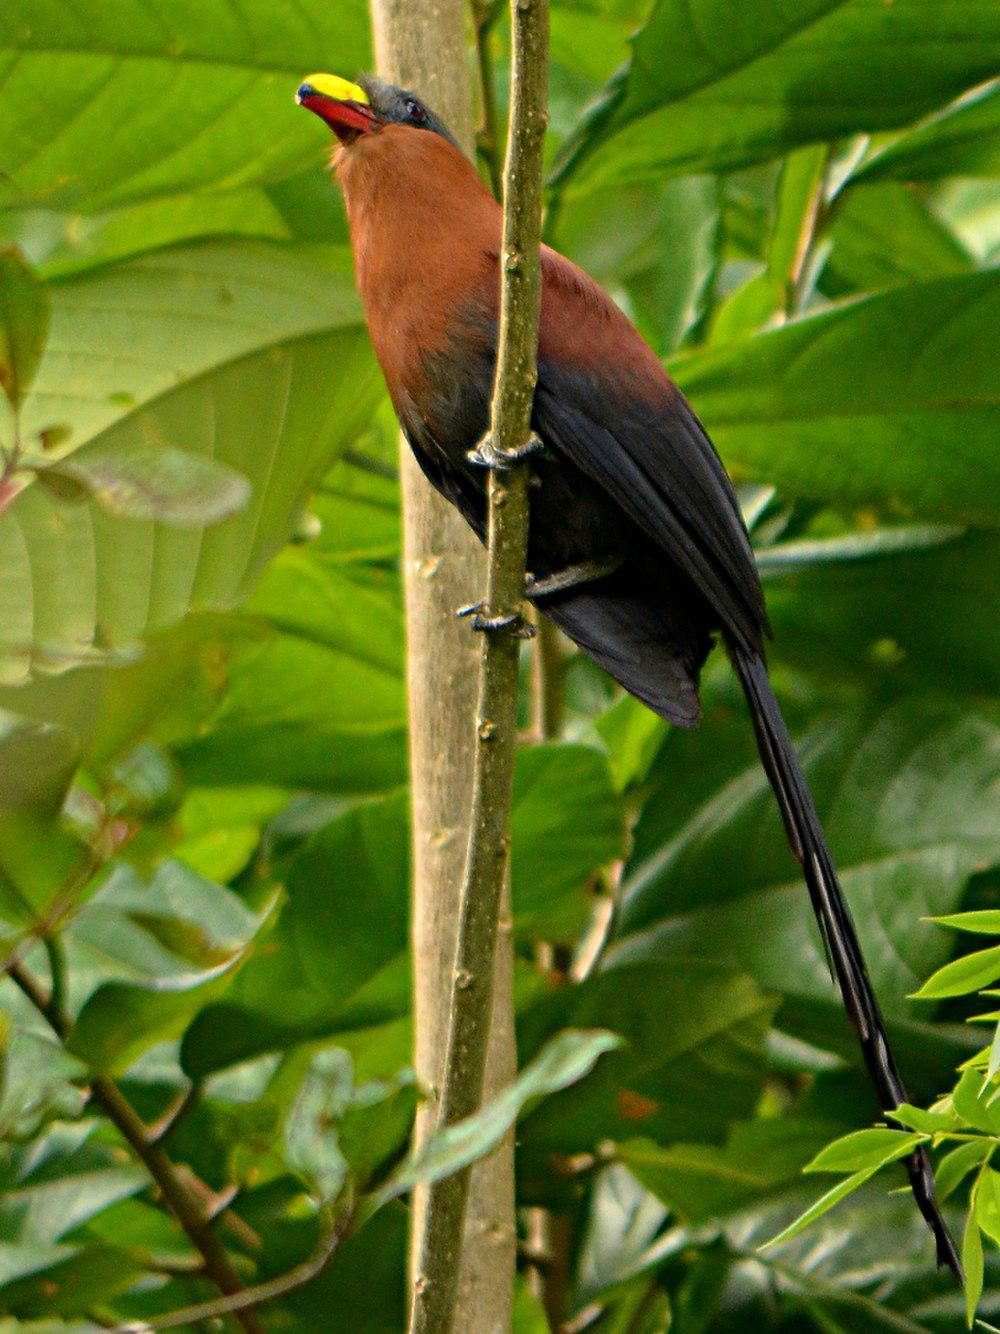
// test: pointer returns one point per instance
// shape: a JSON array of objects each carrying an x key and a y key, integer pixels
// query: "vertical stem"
[
  {"x": 422, "y": 44},
  {"x": 439, "y": 1258}
]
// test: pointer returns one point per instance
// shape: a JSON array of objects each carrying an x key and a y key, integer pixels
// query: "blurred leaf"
[
  {"x": 63, "y": 1180},
  {"x": 883, "y": 235},
  {"x": 962, "y": 140},
  {"x": 37, "y": 762},
  {"x": 633, "y": 734},
  {"x": 887, "y": 401},
  {"x": 623, "y": 1221},
  {"x": 700, "y": 1181},
  {"x": 860, "y": 618},
  {"x": 662, "y": 249},
  {"x": 566, "y": 822},
  {"x": 726, "y": 887},
  {"x": 176, "y": 940},
  {"x": 139, "y": 104},
  {"x": 290, "y": 709},
  {"x": 246, "y": 355},
  {"x": 691, "y": 1066},
  {"x": 344, "y": 928},
  {"x": 564, "y": 1060},
  {"x": 783, "y": 70},
  {"x": 153, "y": 483},
  {"x": 35, "y": 1075},
  {"x": 988, "y": 1204},
  {"x": 83, "y": 242},
  {"x": 24, "y": 326}
]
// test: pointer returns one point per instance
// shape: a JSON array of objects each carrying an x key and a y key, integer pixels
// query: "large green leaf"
[
  {"x": 884, "y": 235},
  {"x": 714, "y": 84},
  {"x": 691, "y": 1064},
  {"x": 24, "y": 327},
  {"x": 120, "y": 101},
  {"x": 964, "y": 140},
  {"x": 341, "y": 937},
  {"x": 860, "y": 617},
  {"x": 247, "y": 354},
  {"x": 290, "y": 709},
  {"x": 905, "y": 796},
  {"x": 891, "y": 400},
  {"x": 147, "y": 957}
]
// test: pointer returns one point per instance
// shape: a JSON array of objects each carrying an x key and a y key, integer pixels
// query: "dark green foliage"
[{"x": 204, "y": 842}]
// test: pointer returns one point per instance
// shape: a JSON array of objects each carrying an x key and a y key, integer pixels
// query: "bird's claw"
[
  {"x": 486, "y": 454},
  {"x": 512, "y": 623}
]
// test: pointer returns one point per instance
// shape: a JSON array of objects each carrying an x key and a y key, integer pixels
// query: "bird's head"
[{"x": 355, "y": 109}]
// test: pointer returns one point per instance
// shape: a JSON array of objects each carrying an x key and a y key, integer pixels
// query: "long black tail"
[{"x": 808, "y": 842}]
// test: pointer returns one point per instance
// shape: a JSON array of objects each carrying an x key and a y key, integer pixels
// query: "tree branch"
[
  {"x": 120, "y": 1112},
  {"x": 439, "y": 1259},
  {"x": 296, "y": 1277}
]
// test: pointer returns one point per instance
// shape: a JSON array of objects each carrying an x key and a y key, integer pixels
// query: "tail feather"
[{"x": 808, "y": 842}]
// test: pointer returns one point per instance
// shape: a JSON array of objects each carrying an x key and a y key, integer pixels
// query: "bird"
[{"x": 637, "y": 549}]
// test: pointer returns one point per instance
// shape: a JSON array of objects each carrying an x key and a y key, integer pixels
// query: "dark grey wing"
[{"x": 643, "y": 444}]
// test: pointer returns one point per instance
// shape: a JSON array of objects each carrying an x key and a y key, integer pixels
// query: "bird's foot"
[
  {"x": 486, "y": 454},
  {"x": 512, "y": 623},
  {"x": 571, "y": 577}
]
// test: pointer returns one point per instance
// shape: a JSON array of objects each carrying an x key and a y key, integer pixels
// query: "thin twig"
[
  {"x": 120, "y": 1112},
  {"x": 296, "y": 1277},
  {"x": 440, "y": 1245}
]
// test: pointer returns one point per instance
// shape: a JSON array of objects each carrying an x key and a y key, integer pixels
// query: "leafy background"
[{"x": 203, "y": 845}]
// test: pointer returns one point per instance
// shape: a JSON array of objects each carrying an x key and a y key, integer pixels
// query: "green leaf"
[
  {"x": 290, "y": 711},
  {"x": 152, "y": 483},
  {"x": 955, "y": 1166},
  {"x": 35, "y": 1082},
  {"x": 692, "y": 1066},
  {"x": 864, "y": 1149},
  {"x": 826, "y": 1202},
  {"x": 722, "y": 883},
  {"x": 988, "y": 1204},
  {"x": 246, "y": 355},
  {"x": 712, "y": 86},
  {"x": 566, "y": 822},
  {"x": 662, "y": 249},
  {"x": 61, "y": 1183},
  {"x": 140, "y": 103},
  {"x": 932, "y": 1122},
  {"x": 883, "y": 235},
  {"x": 984, "y": 921},
  {"x": 963, "y": 140},
  {"x": 701, "y": 1181},
  {"x": 962, "y": 976},
  {"x": 972, "y": 1260},
  {"x": 24, "y": 326},
  {"x": 564, "y": 1060},
  {"x": 341, "y": 937},
  {"x": 888, "y": 401},
  {"x": 972, "y": 1103},
  {"x": 175, "y": 940},
  {"x": 860, "y": 620},
  {"x": 37, "y": 762}
]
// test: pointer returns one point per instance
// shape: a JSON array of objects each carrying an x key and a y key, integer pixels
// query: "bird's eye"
[{"x": 414, "y": 111}]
